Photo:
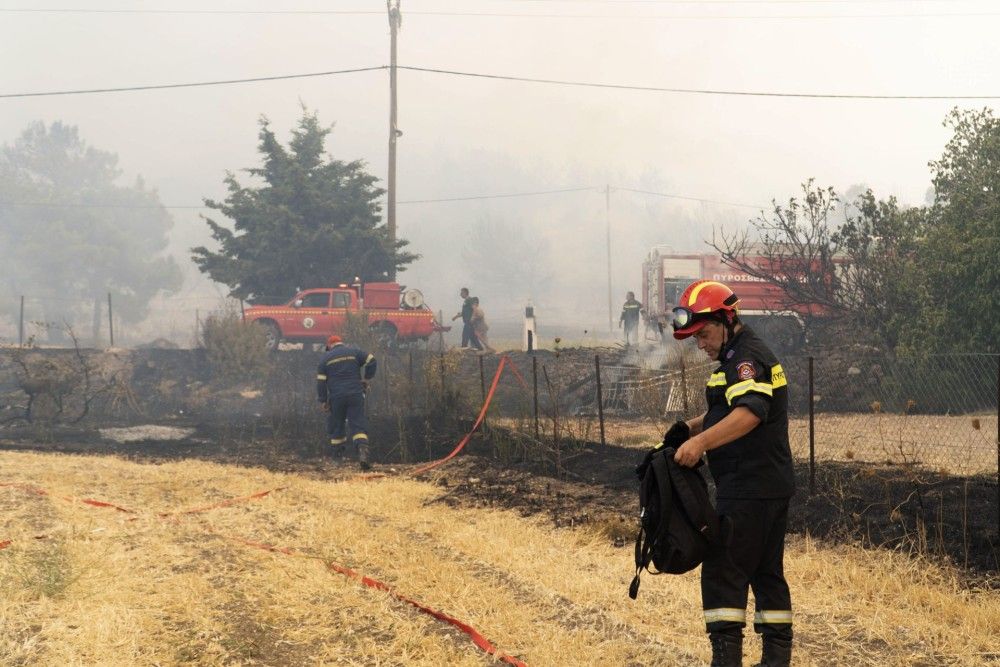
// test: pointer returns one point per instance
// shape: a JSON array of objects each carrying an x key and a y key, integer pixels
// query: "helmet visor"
[{"x": 683, "y": 317}]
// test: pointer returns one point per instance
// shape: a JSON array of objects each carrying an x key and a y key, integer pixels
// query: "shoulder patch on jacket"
[{"x": 745, "y": 370}]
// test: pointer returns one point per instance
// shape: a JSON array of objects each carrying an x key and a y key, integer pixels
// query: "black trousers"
[{"x": 753, "y": 560}]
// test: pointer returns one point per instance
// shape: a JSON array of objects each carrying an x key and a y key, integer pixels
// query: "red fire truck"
[
  {"x": 394, "y": 313},
  {"x": 763, "y": 305}
]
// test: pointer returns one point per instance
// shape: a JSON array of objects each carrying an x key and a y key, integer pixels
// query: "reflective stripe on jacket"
[{"x": 341, "y": 371}]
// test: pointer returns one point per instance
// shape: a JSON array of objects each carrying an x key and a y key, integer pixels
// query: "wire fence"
[{"x": 920, "y": 418}]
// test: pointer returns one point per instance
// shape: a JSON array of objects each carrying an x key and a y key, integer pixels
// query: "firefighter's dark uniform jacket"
[
  {"x": 340, "y": 372},
  {"x": 754, "y": 480},
  {"x": 338, "y": 383},
  {"x": 759, "y": 464},
  {"x": 630, "y": 313}
]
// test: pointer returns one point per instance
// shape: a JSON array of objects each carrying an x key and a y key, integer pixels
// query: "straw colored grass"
[
  {"x": 961, "y": 445},
  {"x": 103, "y": 589}
]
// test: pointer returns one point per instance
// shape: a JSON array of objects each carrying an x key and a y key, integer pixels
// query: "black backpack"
[{"x": 678, "y": 523}]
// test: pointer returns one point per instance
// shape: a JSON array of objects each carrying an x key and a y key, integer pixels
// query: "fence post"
[
  {"x": 534, "y": 383},
  {"x": 600, "y": 396},
  {"x": 409, "y": 384},
  {"x": 243, "y": 312},
  {"x": 812, "y": 432},
  {"x": 441, "y": 366},
  {"x": 20, "y": 325},
  {"x": 684, "y": 387},
  {"x": 111, "y": 323},
  {"x": 482, "y": 384}
]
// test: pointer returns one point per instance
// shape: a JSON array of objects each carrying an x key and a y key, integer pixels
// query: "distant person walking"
[
  {"x": 469, "y": 340},
  {"x": 631, "y": 312},
  {"x": 479, "y": 326},
  {"x": 341, "y": 383}
]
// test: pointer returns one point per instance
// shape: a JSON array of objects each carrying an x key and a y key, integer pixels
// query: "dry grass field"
[
  {"x": 959, "y": 445},
  {"x": 85, "y": 584}
]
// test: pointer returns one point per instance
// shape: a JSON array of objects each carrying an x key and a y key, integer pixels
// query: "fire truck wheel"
[
  {"x": 385, "y": 334},
  {"x": 272, "y": 335}
]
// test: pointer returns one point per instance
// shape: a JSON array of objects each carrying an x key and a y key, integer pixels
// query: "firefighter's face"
[{"x": 710, "y": 338}]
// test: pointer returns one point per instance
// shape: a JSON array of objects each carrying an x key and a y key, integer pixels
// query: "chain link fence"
[{"x": 928, "y": 423}]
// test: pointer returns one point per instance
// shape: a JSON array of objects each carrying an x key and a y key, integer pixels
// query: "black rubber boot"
[
  {"x": 727, "y": 649},
  {"x": 336, "y": 453},
  {"x": 363, "y": 455},
  {"x": 777, "y": 652}
]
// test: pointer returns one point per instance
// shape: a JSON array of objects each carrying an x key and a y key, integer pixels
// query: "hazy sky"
[{"x": 467, "y": 136}]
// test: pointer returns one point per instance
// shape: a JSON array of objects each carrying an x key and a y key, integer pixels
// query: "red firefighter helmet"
[
  {"x": 703, "y": 301},
  {"x": 333, "y": 340}
]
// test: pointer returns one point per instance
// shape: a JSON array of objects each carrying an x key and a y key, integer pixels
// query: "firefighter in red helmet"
[
  {"x": 341, "y": 384},
  {"x": 744, "y": 432}
]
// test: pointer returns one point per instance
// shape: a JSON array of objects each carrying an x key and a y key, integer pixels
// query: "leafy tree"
[
  {"x": 860, "y": 269},
  {"x": 70, "y": 234},
  {"x": 313, "y": 222},
  {"x": 962, "y": 245}
]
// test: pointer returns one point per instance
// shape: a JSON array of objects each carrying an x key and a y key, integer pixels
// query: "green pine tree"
[{"x": 314, "y": 222}]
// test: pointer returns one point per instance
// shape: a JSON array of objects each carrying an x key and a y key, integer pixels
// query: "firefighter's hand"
[
  {"x": 324, "y": 406},
  {"x": 364, "y": 385},
  {"x": 689, "y": 454}
]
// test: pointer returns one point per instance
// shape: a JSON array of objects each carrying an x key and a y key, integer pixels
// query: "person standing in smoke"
[
  {"x": 630, "y": 318},
  {"x": 469, "y": 339}
]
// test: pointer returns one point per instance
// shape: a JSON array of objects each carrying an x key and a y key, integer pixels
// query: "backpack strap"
[
  {"x": 701, "y": 514},
  {"x": 659, "y": 469}
]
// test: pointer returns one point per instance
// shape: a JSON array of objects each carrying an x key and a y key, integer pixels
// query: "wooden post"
[
  {"x": 812, "y": 431},
  {"x": 534, "y": 383},
  {"x": 111, "y": 322},
  {"x": 243, "y": 311},
  {"x": 482, "y": 379},
  {"x": 441, "y": 364},
  {"x": 600, "y": 396},
  {"x": 20, "y": 325},
  {"x": 684, "y": 386},
  {"x": 394, "y": 21},
  {"x": 409, "y": 384}
]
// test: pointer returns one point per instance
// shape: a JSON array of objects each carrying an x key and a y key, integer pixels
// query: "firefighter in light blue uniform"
[{"x": 341, "y": 382}]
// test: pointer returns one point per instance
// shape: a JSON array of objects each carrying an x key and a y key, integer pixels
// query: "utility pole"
[
  {"x": 607, "y": 212},
  {"x": 395, "y": 20}
]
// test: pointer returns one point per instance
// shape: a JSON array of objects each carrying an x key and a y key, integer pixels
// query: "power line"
[
  {"x": 696, "y": 91},
  {"x": 722, "y": 2},
  {"x": 409, "y": 201},
  {"x": 501, "y": 196},
  {"x": 697, "y": 199},
  {"x": 523, "y": 79},
  {"x": 506, "y": 195},
  {"x": 494, "y": 14},
  {"x": 197, "y": 84}
]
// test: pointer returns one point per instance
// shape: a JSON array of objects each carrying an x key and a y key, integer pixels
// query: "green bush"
[{"x": 235, "y": 350}]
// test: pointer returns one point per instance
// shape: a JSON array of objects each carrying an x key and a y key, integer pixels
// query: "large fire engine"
[
  {"x": 763, "y": 305},
  {"x": 394, "y": 314}
]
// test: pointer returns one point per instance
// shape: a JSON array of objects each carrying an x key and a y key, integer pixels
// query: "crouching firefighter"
[
  {"x": 744, "y": 432},
  {"x": 341, "y": 383}
]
